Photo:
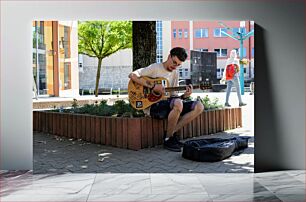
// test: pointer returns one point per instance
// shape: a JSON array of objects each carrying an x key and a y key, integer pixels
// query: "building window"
[
  {"x": 67, "y": 76},
  {"x": 220, "y": 72},
  {"x": 238, "y": 52},
  {"x": 237, "y": 30},
  {"x": 180, "y": 33},
  {"x": 181, "y": 73},
  {"x": 66, "y": 42},
  {"x": 65, "y": 55},
  {"x": 174, "y": 33},
  {"x": 221, "y": 52},
  {"x": 186, "y": 72},
  {"x": 252, "y": 25},
  {"x": 201, "y": 33},
  {"x": 218, "y": 32},
  {"x": 202, "y": 49},
  {"x": 42, "y": 59},
  {"x": 159, "y": 40},
  {"x": 185, "y": 33},
  {"x": 159, "y": 58}
]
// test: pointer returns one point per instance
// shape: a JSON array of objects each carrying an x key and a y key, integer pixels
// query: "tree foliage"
[
  {"x": 100, "y": 39},
  {"x": 103, "y": 38}
]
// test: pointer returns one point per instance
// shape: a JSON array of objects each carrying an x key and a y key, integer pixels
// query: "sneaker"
[
  {"x": 227, "y": 105},
  {"x": 177, "y": 140},
  {"x": 172, "y": 145},
  {"x": 242, "y": 104}
]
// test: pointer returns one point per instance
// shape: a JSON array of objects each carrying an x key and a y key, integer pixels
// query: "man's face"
[{"x": 174, "y": 63}]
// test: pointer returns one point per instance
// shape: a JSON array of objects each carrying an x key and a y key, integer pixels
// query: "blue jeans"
[{"x": 235, "y": 81}]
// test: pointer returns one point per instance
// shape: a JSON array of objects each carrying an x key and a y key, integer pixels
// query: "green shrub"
[
  {"x": 208, "y": 104},
  {"x": 119, "y": 109},
  {"x": 123, "y": 109},
  {"x": 75, "y": 103}
]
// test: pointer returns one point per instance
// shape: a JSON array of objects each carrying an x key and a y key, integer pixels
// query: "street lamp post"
[
  {"x": 241, "y": 64},
  {"x": 241, "y": 37}
]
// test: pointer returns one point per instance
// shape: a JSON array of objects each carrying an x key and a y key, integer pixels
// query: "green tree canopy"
[{"x": 100, "y": 39}]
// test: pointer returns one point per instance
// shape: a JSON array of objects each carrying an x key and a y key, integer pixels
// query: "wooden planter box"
[{"x": 131, "y": 133}]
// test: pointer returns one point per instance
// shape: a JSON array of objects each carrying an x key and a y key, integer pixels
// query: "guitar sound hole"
[{"x": 153, "y": 98}]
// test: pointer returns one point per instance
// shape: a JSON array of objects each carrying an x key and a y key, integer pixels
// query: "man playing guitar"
[{"x": 178, "y": 111}]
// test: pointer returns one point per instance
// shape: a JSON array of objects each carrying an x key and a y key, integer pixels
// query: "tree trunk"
[
  {"x": 144, "y": 43},
  {"x": 98, "y": 77}
]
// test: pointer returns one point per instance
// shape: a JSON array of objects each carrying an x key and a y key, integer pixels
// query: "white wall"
[
  {"x": 120, "y": 58},
  {"x": 166, "y": 35},
  {"x": 114, "y": 72},
  {"x": 280, "y": 95}
]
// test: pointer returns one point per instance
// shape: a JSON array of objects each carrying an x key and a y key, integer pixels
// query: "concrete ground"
[
  {"x": 61, "y": 155},
  {"x": 281, "y": 186}
]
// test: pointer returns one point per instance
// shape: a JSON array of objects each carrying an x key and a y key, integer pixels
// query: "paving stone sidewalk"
[{"x": 62, "y": 155}]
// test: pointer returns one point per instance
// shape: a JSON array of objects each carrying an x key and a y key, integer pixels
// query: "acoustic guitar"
[{"x": 142, "y": 97}]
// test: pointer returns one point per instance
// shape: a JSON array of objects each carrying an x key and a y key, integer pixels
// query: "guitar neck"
[{"x": 177, "y": 88}]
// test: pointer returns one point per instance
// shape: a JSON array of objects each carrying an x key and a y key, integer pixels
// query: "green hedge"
[{"x": 124, "y": 109}]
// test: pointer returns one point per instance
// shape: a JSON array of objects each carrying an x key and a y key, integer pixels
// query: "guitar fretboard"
[{"x": 177, "y": 88}]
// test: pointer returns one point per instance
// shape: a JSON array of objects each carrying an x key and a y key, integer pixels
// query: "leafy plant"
[
  {"x": 189, "y": 98},
  {"x": 208, "y": 104},
  {"x": 74, "y": 104},
  {"x": 103, "y": 103},
  {"x": 125, "y": 109},
  {"x": 119, "y": 109},
  {"x": 134, "y": 112},
  {"x": 244, "y": 61}
]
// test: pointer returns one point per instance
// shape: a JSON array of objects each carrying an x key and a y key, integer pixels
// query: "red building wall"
[
  {"x": 210, "y": 42},
  {"x": 182, "y": 42}
]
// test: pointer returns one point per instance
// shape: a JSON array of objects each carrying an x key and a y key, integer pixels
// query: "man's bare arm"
[
  {"x": 159, "y": 89},
  {"x": 136, "y": 78}
]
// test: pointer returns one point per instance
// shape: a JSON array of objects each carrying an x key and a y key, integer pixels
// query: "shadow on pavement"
[{"x": 53, "y": 154}]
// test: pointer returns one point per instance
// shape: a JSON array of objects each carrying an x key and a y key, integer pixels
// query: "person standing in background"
[{"x": 231, "y": 76}]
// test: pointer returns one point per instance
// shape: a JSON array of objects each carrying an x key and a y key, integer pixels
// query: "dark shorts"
[{"x": 161, "y": 109}]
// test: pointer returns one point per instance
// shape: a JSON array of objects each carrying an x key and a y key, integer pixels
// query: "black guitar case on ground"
[{"x": 213, "y": 149}]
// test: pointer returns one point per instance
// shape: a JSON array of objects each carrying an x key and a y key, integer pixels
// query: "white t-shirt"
[{"x": 158, "y": 70}]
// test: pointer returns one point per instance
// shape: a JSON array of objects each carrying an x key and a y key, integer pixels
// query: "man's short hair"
[{"x": 179, "y": 52}]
